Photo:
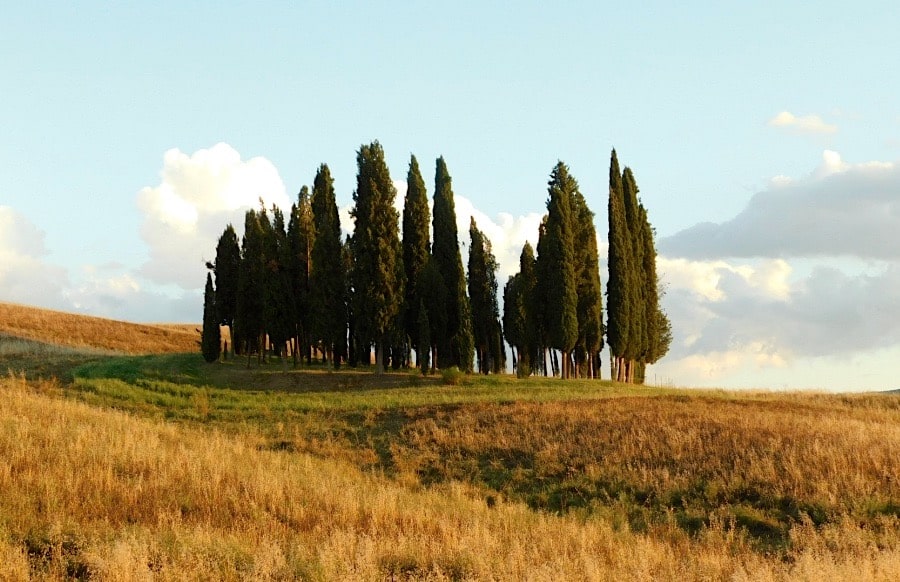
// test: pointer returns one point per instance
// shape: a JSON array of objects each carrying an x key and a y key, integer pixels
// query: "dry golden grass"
[
  {"x": 103, "y": 495},
  {"x": 81, "y": 331},
  {"x": 783, "y": 454}
]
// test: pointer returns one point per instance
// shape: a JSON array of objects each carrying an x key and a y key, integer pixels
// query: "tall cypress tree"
[
  {"x": 486, "y": 329},
  {"x": 519, "y": 315},
  {"x": 378, "y": 276},
  {"x": 617, "y": 299},
  {"x": 637, "y": 337},
  {"x": 455, "y": 348},
  {"x": 277, "y": 291},
  {"x": 657, "y": 326},
  {"x": 249, "y": 318},
  {"x": 327, "y": 275},
  {"x": 301, "y": 239},
  {"x": 210, "y": 337},
  {"x": 590, "y": 298},
  {"x": 416, "y": 248},
  {"x": 556, "y": 266},
  {"x": 433, "y": 294},
  {"x": 227, "y": 268}
]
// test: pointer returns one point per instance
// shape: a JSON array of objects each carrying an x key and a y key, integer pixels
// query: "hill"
[
  {"x": 87, "y": 492},
  {"x": 84, "y": 332}
]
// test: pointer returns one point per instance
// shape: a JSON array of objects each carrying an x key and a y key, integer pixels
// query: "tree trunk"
[{"x": 379, "y": 357}]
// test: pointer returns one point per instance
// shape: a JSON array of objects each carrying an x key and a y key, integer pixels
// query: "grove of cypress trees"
[
  {"x": 378, "y": 275},
  {"x": 210, "y": 337},
  {"x": 416, "y": 248},
  {"x": 327, "y": 273},
  {"x": 455, "y": 348}
]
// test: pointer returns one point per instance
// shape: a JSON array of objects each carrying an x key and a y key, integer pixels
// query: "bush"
[{"x": 452, "y": 376}]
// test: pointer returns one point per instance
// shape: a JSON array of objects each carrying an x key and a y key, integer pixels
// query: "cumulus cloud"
[
  {"x": 810, "y": 124},
  {"x": 25, "y": 276},
  {"x": 197, "y": 196},
  {"x": 740, "y": 317},
  {"x": 841, "y": 209}
]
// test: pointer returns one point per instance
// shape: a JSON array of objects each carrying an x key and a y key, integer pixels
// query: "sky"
[{"x": 764, "y": 137}]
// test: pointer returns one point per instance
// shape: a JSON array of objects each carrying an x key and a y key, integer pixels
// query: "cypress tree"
[
  {"x": 249, "y": 323},
  {"x": 378, "y": 276},
  {"x": 433, "y": 294},
  {"x": 590, "y": 298},
  {"x": 301, "y": 239},
  {"x": 210, "y": 337},
  {"x": 556, "y": 266},
  {"x": 227, "y": 269},
  {"x": 416, "y": 248},
  {"x": 513, "y": 320},
  {"x": 486, "y": 329},
  {"x": 538, "y": 299},
  {"x": 520, "y": 311},
  {"x": 617, "y": 299},
  {"x": 637, "y": 336},
  {"x": 455, "y": 348},
  {"x": 327, "y": 273},
  {"x": 277, "y": 292},
  {"x": 657, "y": 325},
  {"x": 423, "y": 333}
]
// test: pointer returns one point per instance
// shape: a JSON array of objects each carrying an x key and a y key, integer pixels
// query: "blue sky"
[{"x": 731, "y": 114}]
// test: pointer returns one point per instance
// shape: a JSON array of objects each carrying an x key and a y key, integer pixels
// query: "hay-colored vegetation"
[
  {"x": 163, "y": 467},
  {"x": 82, "y": 331},
  {"x": 93, "y": 493}
]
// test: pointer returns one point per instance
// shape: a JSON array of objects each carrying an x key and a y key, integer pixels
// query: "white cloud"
[
  {"x": 197, "y": 196},
  {"x": 841, "y": 209},
  {"x": 812, "y": 124},
  {"x": 25, "y": 276},
  {"x": 734, "y": 319}
]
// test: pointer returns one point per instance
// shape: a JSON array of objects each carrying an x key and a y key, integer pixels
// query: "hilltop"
[{"x": 84, "y": 332}]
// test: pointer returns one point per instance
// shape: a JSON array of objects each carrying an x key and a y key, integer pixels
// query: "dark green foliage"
[
  {"x": 486, "y": 330},
  {"x": 556, "y": 265},
  {"x": 433, "y": 293},
  {"x": 657, "y": 325},
  {"x": 210, "y": 337},
  {"x": 227, "y": 268},
  {"x": 637, "y": 334},
  {"x": 327, "y": 275},
  {"x": 590, "y": 298},
  {"x": 301, "y": 239},
  {"x": 618, "y": 304},
  {"x": 423, "y": 332},
  {"x": 378, "y": 274},
  {"x": 455, "y": 348},
  {"x": 279, "y": 307},
  {"x": 351, "y": 347},
  {"x": 249, "y": 322},
  {"x": 416, "y": 249}
]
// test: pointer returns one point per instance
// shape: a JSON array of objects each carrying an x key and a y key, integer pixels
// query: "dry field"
[
  {"x": 81, "y": 331},
  {"x": 166, "y": 468},
  {"x": 100, "y": 494}
]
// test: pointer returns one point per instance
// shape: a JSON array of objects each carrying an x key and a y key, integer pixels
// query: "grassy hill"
[
  {"x": 163, "y": 466},
  {"x": 82, "y": 332}
]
